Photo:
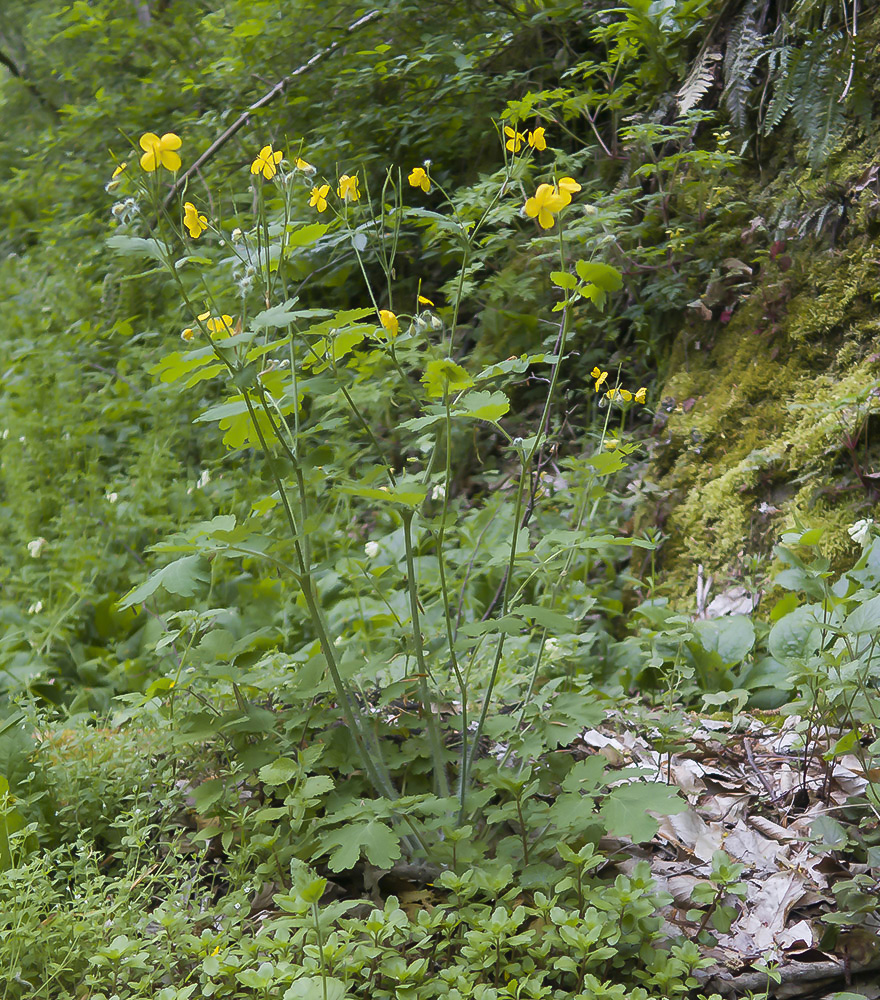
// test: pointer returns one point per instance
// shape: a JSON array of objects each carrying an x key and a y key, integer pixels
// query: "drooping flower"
[
  {"x": 193, "y": 220},
  {"x": 420, "y": 179},
  {"x": 267, "y": 162},
  {"x": 159, "y": 152},
  {"x": 536, "y": 138},
  {"x": 545, "y": 203},
  {"x": 639, "y": 397},
  {"x": 348, "y": 188},
  {"x": 389, "y": 322},
  {"x": 599, "y": 376},
  {"x": 514, "y": 139},
  {"x": 318, "y": 197}
]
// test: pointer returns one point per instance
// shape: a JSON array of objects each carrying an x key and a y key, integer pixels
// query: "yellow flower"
[
  {"x": 611, "y": 393},
  {"x": 219, "y": 326},
  {"x": 119, "y": 169},
  {"x": 626, "y": 394},
  {"x": 514, "y": 139},
  {"x": 194, "y": 222},
  {"x": 266, "y": 162},
  {"x": 187, "y": 334},
  {"x": 566, "y": 187},
  {"x": 420, "y": 179},
  {"x": 319, "y": 197},
  {"x": 389, "y": 322},
  {"x": 599, "y": 376},
  {"x": 304, "y": 166},
  {"x": 640, "y": 395},
  {"x": 348, "y": 188},
  {"x": 545, "y": 204},
  {"x": 159, "y": 152},
  {"x": 425, "y": 301},
  {"x": 536, "y": 138}
]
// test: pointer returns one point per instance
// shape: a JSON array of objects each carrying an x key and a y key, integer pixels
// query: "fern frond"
[
  {"x": 699, "y": 81},
  {"x": 781, "y": 68},
  {"x": 745, "y": 47},
  {"x": 816, "y": 84}
]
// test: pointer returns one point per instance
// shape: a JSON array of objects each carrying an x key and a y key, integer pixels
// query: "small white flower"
[
  {"x": 5, "y": 433},
  {"x": 203, "y": 479},
  {"x": 371, "y": 549},
  {"x": 35, "y": 608},
  {"x": 439, "y": 492},
  {"x": 236, "y": 235},
  {"x": 860, "y": 532},
  {"x": 552, "y": 649},
  {"x": 22, "y": 439},
  {"x": 436, "y": 323},
  {"x": 111, "y": 497},
  {"x": 36, "y": 546}
]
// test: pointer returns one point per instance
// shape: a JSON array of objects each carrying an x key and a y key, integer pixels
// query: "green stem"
[{"x": 441, "y": 784}]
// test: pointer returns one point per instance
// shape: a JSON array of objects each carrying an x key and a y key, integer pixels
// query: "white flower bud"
[
  {"x": 371, "y": 549},
  {"x": 36, "y": 547}
]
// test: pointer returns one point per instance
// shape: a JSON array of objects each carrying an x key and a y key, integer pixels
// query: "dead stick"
[{"x": 267, "y": 98}]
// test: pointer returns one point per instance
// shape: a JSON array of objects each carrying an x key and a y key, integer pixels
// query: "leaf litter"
[{"x": 778, "y": 803}]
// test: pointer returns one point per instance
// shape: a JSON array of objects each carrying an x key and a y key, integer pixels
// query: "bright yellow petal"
[
  {"x": 148, "y": 141},
  {"x": 545, "y": 219},
  {"x": 170, "y": 141}
]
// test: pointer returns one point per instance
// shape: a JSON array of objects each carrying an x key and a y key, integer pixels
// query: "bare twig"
[{"x": 267, "y": 98}]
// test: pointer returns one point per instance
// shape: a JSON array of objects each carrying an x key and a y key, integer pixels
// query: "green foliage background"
[{"x": 728, "y": 164}]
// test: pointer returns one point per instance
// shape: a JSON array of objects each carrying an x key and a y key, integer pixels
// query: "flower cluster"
[
  {"x": 516, "y": 139},
  {"x": 218, "y": 326},
  {"x": 549, "y": 200},
  {"x": 626, "y": 395}
]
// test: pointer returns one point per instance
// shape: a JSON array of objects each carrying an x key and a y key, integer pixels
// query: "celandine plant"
[{"x": 428, "y": 603}]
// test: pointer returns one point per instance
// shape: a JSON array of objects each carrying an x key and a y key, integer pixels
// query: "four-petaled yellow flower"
[
  {"x": 599, "y": 376},
  {"x": 220, "y": 326},
  {"x": 194, "y": 222},
  {"x": 348, "y": 188},
  {"x": 266, "y": 162},
  {"x": 159, "y": 152},
  {"x": 566, "y": 187},
  {"x": 389, "y": 322},
  {"x": 547, "y": 201},
  {"x": 514, "y": 139},
  {"x": 420, "y": 179},
  {"x": 640, "y": 395},
  {"x": 536, "y": 138},
  {"x": 319, "y": 197}
]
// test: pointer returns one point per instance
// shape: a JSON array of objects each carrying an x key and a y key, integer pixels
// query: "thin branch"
[
  {"x": 18, "y": 72},
  {"x": 267, "y": 98}
]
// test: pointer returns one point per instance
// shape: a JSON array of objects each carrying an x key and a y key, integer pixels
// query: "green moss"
[{"x": 765, "y": 403}]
